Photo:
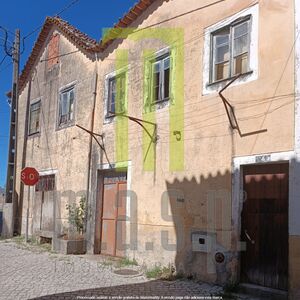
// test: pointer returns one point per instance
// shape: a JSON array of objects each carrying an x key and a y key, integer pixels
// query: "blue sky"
[{"x": 90, "y": 16}]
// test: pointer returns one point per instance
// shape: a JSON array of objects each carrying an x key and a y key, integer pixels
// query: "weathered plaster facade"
[
  {"x": 59, "y": 151},
  {"x": 204, "y": 197},
  {"x": 209, "y": 143}
]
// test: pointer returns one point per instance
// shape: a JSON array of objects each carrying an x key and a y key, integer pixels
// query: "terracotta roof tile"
[{"x": 80, "y": 39}]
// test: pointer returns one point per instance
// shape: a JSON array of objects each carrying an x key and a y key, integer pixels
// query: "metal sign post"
[{"x": 30, "y": 177}]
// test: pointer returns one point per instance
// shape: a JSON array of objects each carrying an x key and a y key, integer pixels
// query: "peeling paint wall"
[
  {"x": 267, "y": 102},
  {"x": 172, "y": 206},
  {"x": 63, "y": 151}
]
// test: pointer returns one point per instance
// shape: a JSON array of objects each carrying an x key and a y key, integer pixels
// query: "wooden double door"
[
  {"x": 113, "y": 215},
  {"x": 265, "y": 226}
]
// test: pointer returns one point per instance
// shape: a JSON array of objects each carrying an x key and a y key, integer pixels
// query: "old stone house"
[{"x": 195, "y": 110}]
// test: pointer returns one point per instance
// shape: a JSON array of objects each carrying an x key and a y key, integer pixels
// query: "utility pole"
[{"x": 11, "y": 196}]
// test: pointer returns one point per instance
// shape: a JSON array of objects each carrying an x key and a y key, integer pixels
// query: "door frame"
[
  {"x": 237, "y": 191},
  {"x": 102, "y": 170},
  {"x": 116, "y": 212}
]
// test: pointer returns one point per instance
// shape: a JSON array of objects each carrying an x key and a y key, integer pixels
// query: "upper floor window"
[
  {"x": 34, "y": 118},
  {"x": 116, "y": 94},
  {"x": 66, "y": 107},
  {"x": 161, "y": 78},
  {"x": 230, "y": 50}
]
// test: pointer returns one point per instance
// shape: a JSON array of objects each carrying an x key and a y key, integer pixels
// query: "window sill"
[
  {"x": 228, "y": 79},
  {"x": 160, "y": 101},
  {"x": 157, "y": 105},
  {"x": 110, "y": 118},
  {"x": 33, "y": 135},
  {"x": 64, "y": 126}
]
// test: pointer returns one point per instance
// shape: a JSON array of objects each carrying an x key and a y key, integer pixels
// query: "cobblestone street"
[{"x": 35, "y": 274}]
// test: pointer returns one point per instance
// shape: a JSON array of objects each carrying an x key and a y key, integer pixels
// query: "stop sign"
[{"x": 29, "y": 176}]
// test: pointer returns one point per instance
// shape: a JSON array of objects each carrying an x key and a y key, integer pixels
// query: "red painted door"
[
  {"x": 113, "y": 228},
  {"x": 265, "y": 226}
]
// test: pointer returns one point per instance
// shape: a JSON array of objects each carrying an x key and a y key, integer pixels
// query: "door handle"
[{"x": 249, "y": 238}]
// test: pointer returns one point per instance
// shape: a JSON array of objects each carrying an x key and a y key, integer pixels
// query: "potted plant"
[{"x": 73, "y": 241}]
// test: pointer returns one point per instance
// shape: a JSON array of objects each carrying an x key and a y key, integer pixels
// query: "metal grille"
[{"x": 46, "y": 183}]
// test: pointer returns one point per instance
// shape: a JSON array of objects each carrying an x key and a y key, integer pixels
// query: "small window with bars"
[
  {"x": 66, "y": 107},
  {"x": 46, "y": 183},
  {"x": 230, "y": 50},
  {"x": 34, "y": 118}
]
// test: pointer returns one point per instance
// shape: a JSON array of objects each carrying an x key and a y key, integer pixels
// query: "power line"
[
  {"x": 67, "y": 7},
  {"x": 61, "y": 55},
  {"x": 57, "y": 14},
  {"x": 3, "y": 59},
  {"x": 7, "y": 51}
]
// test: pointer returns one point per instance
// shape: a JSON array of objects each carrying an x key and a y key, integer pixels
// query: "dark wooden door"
[
  {"x": 113, "y": 215},
  {"x": 265, "y": 226}
]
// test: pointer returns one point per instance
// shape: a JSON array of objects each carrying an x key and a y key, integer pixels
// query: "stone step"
[{"x": 260, "y": 292}]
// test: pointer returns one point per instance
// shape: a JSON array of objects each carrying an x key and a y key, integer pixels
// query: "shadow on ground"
[{"x": 151, "y": 288}]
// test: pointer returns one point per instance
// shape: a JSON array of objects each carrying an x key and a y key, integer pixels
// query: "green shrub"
[{"x": 77, "y": 215}]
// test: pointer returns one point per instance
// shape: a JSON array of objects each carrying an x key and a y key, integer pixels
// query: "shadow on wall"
[
  {"x": 214, "y": 234},
  {"x": 201, "y": 211}
]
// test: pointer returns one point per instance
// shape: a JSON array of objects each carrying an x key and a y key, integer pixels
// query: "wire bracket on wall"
[
  {"x": 231, "y": 114},
  {"x": 101, "y": 145},
  {"x": 152, "y": 136}
]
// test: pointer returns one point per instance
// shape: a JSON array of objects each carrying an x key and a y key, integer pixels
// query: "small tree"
[{"x": 77, "y": 214}]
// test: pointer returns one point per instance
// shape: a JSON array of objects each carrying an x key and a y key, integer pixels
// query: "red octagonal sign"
[{"x": 29, "y": 176}]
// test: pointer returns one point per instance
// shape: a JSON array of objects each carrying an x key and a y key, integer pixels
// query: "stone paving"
[{"x": 33, "y": 274}]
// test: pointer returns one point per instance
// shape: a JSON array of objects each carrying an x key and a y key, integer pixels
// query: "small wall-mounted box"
[{"x": 202, "y": 242}]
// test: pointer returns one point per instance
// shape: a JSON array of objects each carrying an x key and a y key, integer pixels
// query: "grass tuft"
[{"x": 126, "y": 262}]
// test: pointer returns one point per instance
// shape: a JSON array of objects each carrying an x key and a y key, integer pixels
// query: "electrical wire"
[
  {"x": 57, "y": 15},
  {"x": 6, "y": 49},
  {"x": 3, "y": 59}
]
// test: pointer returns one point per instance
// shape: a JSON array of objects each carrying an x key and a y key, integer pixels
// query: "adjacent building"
[{"x": 180, "y": 129}]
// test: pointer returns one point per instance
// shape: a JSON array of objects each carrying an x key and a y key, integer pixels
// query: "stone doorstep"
[
  {"x": 262, "y": 292},
  {"x": 44, "y": 233}
]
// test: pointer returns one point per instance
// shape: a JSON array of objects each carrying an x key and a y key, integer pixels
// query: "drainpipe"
[{"x": 91, "y": 137}]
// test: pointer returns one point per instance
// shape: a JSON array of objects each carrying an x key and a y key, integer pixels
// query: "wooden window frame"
[
  {"x": 30, "y": 117},
  {"x": 109, "y": 112},
  {"x": 161, "y": 85},
  {"x": 231, "y": 27},
  {"x": 71, "y": 114}
]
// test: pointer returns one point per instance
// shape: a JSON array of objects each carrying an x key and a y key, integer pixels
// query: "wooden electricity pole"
[{"x": 11, "y": 196}]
